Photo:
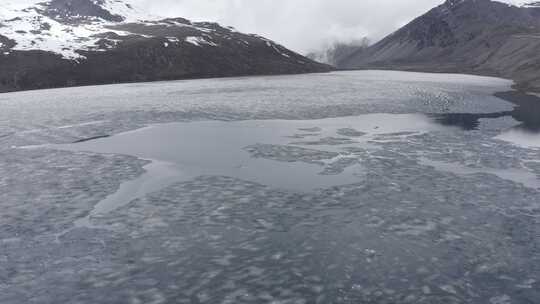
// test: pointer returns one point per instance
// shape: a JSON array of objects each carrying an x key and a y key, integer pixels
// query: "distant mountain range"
[
  {"x": 59, "y": 43},
  {"x": 462, "y": 36}
]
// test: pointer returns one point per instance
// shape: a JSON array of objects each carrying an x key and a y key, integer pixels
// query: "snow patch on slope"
[
  {"x": 198, "y": 41},
  {"x": 23, "y": 22},
  {"x": 32, "y": 25},
  {"x": 131, "y": 12},
  {"x": 35, "y": 32},
  {"x": 535, "y": 4}
]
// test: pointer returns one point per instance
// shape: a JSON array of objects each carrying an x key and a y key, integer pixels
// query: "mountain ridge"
[
  {"x": 59, "y": 43},
  {"x": 463, "y": 36}
]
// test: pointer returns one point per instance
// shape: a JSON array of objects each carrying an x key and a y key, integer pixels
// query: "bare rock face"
[
  {"x": 61, "y": 43},
  {"x": 464, "y": 36},
  {"x": 79, "y": 10}
]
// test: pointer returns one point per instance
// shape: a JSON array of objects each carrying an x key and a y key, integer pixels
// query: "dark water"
[{"x": 526, "y": 111}]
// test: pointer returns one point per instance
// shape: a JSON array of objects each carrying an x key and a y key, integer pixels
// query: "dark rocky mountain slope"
[
  {"x": 464, "y": 36},
  {"x": 61, "y": 43}
]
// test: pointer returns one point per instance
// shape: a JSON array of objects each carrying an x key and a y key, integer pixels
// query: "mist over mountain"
[
  {"x": 336, "y": 52},
  {"x": 303, "y": 25},
  {"x": 60, "y": 43}
]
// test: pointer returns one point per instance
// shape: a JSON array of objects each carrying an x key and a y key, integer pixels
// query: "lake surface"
[{"x": 349, "y": 187}]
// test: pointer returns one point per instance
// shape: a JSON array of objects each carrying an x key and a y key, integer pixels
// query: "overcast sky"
[{"x": 302, "y": 25}]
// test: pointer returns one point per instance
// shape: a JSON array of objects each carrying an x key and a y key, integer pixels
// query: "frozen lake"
[{"x": 349, "y": 187}]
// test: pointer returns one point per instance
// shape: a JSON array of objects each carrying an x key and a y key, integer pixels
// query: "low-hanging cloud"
[{"x": 302, "y": 25}]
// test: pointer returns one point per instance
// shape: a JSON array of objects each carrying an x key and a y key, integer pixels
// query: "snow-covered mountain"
[
  {"x": 63, "y": 27},
  {"x": 71, "y": 39},
  {"x": 463, "y": 36}
]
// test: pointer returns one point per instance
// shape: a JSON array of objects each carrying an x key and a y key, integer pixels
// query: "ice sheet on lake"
[{"x": 389, "y": 227}]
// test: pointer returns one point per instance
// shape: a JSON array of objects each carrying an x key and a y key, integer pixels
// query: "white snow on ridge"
[
  {"x": 24, "y": 22},
  {"x": 31, "y": 30},
  {"x": 198, "y": 41},
  {"x": 129, "y": 10},
  {"x": 535, "y": 4},
  {"x": 58, "y": 38},
  {"x": 17, "y": 4}
]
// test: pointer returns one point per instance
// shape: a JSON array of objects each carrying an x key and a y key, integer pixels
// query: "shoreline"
[{"x": 520, "y": 86}]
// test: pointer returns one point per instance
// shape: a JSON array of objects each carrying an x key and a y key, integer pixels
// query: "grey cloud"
[{"x": 302, "y": 25}]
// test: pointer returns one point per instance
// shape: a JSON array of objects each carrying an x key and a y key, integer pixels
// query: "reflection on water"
[
  {"x": 466, "y": 121},
  {"x": 526, "y": 111}
]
